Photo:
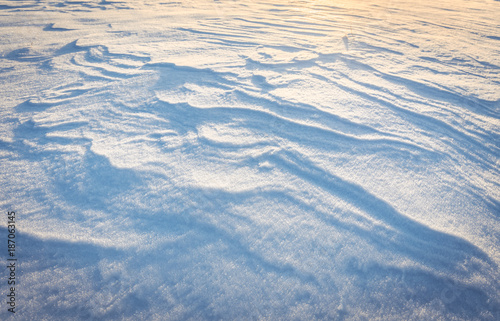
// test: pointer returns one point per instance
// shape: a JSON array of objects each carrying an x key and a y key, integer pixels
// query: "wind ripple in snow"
[{"x": 221, "y": 160}]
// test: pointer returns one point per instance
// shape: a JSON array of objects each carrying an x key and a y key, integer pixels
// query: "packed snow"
[{"x": 251, "y": 160}]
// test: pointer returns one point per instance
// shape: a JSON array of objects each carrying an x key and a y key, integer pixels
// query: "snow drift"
[{"x": 223, "y": 160}]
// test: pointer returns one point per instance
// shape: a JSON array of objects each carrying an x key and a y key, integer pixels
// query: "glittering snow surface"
[{"x": 252, "y": 160}]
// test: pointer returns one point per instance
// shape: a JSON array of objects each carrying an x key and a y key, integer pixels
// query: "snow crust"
[{"x": 252, "y": 160}]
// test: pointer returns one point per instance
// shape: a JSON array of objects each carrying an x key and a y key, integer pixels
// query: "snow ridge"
[{"x": 223, "y": 160}]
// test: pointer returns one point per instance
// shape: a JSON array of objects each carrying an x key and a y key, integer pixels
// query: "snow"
[{"x": 263, "y": 160}]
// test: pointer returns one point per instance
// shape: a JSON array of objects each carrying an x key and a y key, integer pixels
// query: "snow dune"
[{"x": 263, "y": 160}]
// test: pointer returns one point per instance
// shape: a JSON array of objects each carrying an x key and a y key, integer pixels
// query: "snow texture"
[{"x": 251, "y": 160}]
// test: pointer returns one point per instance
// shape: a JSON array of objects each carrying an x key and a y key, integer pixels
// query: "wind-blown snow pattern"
[{"x": 251, "y": 160}]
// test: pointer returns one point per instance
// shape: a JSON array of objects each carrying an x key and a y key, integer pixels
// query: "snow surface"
[{"x": 252, "y": 160}]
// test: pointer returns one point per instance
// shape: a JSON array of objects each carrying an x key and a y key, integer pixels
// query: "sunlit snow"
[{"x": 251, "y": 160}]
